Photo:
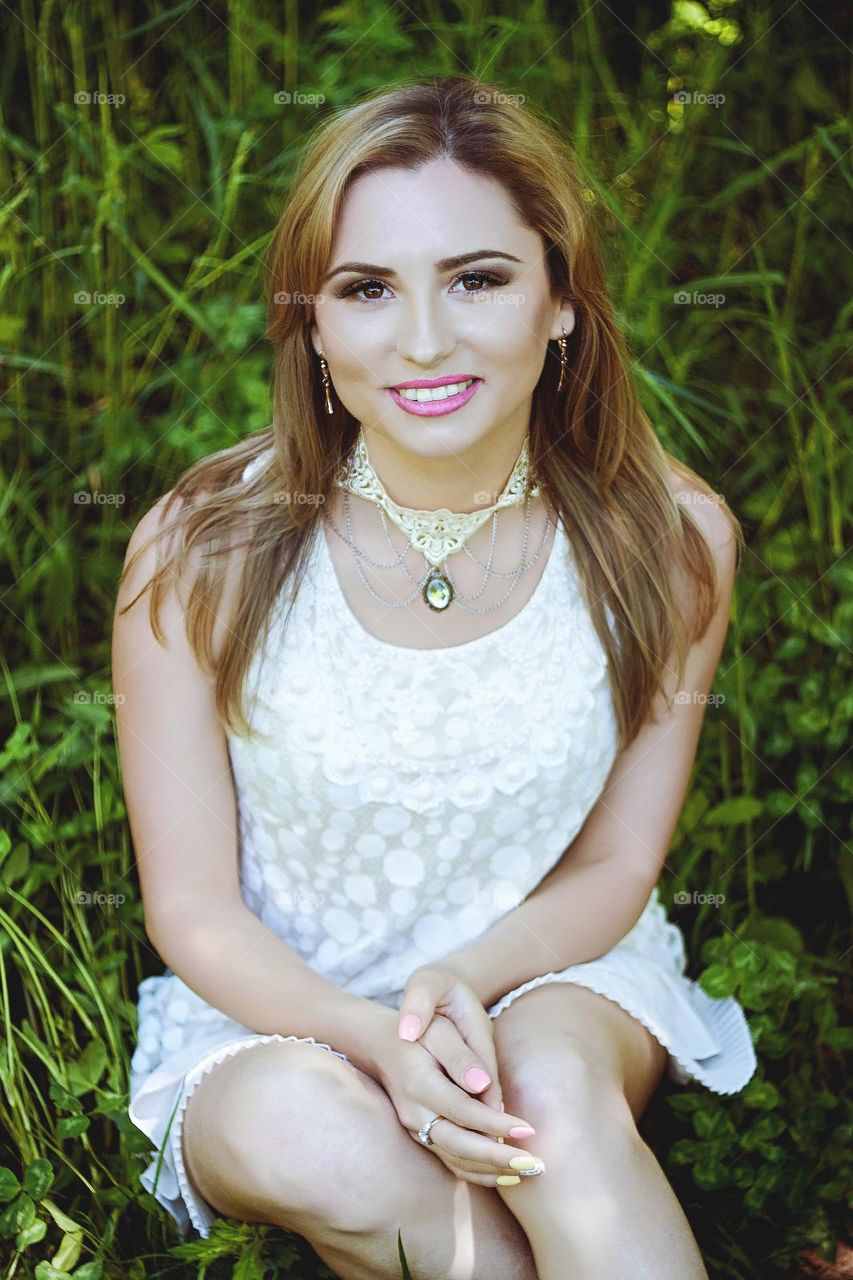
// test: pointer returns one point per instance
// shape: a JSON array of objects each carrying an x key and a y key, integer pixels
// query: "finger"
[
  {"x": 475, "y": 1027},
  {"x": 422, "y": 993},
  {"x": 479, "y": 1179},
  {"x": 465, "y": 1068},
  {"x": 486, "y": 1178},
  {"x": 478, "y": 1153},
  {"x": 448, "y": 1101}
]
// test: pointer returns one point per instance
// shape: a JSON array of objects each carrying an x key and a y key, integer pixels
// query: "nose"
[{"x": 425, "y": 336}]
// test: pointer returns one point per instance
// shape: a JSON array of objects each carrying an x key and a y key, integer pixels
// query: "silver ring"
[{"x": 423, "y": 1132}]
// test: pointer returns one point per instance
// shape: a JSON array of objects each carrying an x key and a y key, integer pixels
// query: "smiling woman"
[
  {"x": 455, "y": 789},
  {"x": 425, "y": 312}
]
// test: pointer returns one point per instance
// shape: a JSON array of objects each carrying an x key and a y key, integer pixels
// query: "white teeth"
[{"x": 425, "y": 394}]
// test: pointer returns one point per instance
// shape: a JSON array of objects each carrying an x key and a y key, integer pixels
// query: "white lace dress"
[{"x": 393, "y": 803}]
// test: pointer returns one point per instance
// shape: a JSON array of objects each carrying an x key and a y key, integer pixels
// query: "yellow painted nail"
[
  {"x": 505, "y": 1180},
  {"x": 524, "y": 1162}
]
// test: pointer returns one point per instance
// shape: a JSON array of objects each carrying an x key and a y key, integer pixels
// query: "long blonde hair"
[{"x": 598, "y": 460}]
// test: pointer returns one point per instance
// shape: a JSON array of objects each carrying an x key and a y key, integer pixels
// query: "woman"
[{"x": 419, "y": 880}]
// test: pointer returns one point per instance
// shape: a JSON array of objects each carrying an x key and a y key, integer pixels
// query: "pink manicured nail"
[
  {"x": 475, "y": 1078},
  {"x": 521, "y": 1131},
  {"x": 410, "y": 1026}
]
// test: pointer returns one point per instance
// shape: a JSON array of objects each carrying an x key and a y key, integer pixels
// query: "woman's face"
[{"x": 392, "y": 310}]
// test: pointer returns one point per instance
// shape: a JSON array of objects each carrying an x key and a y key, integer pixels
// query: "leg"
[
  {"x": 581, "y": 1070},
  {"x": 288, "y": 1134}
]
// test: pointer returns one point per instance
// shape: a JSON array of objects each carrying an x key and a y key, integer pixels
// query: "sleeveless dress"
[{"x": 393, "y": 803}]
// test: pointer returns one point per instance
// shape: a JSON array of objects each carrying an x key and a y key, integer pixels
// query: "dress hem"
[{"x": 727, "y": 1016}]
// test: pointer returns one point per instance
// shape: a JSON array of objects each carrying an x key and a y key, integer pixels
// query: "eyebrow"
[{"x": 443, "y": 264}]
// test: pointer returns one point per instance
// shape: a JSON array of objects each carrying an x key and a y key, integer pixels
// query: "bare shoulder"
[
  {"x": 152, "y": 539},
  {"x": 706, "y": 510}
]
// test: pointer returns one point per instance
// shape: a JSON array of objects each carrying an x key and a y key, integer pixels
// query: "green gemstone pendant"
[{"x": 437, "y": 590}]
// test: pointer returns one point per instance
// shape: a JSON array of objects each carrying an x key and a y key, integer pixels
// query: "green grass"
[{"x": 167, "y": 200}]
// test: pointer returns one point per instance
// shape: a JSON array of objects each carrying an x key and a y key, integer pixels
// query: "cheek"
[{"x": 357, "y": 341}]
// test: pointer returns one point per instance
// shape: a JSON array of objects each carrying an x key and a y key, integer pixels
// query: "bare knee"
[
  {"x": 570, "y": 1096},
  {"x": 274, "y": 1133}
]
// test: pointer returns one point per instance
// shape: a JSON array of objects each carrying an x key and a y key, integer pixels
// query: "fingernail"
[
  {"x": 505, "y": 1180},
  {"x": 528, "y": 1163},
  {"x": 521, "y": 1131},
  {"x": 410, "y": 1026},
  {"x": 475, "y": 1078}
]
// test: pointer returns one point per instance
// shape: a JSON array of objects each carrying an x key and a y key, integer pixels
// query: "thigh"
[
  {"x": 289, "y": 1134},
  {"x": 563, "y": 1017}
]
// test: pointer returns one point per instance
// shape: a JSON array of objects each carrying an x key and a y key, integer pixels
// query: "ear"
[
  {"x": 565, "y": 321},
  {"x": 314, "y": 334}
]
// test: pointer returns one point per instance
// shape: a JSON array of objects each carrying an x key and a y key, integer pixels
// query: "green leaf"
[
  {"x": 63, "y": 1100},
  {"x": 31, "y": 1234},
  {"x": 719, "y": 981},
  {"x": 86, "y": 1071},
  {"x": 94, "y": 1270},
  {"x": 44, "y": 1271},
  {"x": 38, "y": 1178},
  {"x": 26, "y": 1212},
  {"x": 9, "y": 1185},
  {"x": 9, "y": 1219},
  {"x": 761, "y": 1093},
  {"x": 72, "y": 1126},
  {"x": 735, "y": 810},
  {"x": 777, "y": 931}
]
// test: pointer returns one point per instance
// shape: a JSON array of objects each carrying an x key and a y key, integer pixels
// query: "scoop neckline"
[{"x": 466, "y": 646}]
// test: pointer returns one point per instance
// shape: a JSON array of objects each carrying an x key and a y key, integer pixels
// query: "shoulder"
[
  {"x": 707, "y": 511},
  {"x": 152, "y": 546}
]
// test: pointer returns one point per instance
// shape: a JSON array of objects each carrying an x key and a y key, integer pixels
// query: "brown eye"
[
  {"x": 359, "y": 286},
  {"x": 487, "y": 279}
]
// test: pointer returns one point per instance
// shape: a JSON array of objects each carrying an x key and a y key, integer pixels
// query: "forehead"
[{"x": 420, "y": 215}]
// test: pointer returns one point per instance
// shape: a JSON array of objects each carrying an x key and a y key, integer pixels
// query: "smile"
[{"x": 430, "y": 401}]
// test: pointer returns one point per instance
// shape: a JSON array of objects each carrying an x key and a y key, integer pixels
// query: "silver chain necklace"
[{"x": 436, "y": 587}]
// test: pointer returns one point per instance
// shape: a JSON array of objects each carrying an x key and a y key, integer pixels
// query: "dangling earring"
[
  {"x": 563, "y": 360},
  {"x": 324, "y": 368}
]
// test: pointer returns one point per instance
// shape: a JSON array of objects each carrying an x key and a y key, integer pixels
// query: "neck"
[{"x": 453, "y": 482}]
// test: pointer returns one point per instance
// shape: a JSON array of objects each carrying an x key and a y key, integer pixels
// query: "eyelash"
[{"x": 352, "y": 289}]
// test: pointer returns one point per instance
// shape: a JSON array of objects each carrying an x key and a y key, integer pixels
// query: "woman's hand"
[
  {"x": 433, "y": 989},
  {"x": 469, "y": 1137}
]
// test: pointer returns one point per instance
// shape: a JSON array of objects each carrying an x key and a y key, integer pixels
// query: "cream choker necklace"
[{"x": 436, "y": 534}]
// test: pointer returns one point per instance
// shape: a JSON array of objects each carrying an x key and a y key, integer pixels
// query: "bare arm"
[
  {"x": 234, "y": 962},
  {"x": 182, "y": 813},
  {"x": 598, "y": 889}
]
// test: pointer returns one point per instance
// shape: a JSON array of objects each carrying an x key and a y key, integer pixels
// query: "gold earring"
[
  {"x": 563, "y": 360},
  {"x": 324, "y": 368}
]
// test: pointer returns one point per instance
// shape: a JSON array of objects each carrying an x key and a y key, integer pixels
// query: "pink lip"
[
  {"x": 433, "y": 382},
  {"x": 435, "y": 408}
]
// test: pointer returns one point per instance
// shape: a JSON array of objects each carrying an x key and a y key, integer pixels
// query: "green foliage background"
[{"x": 167, "y": 200}]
